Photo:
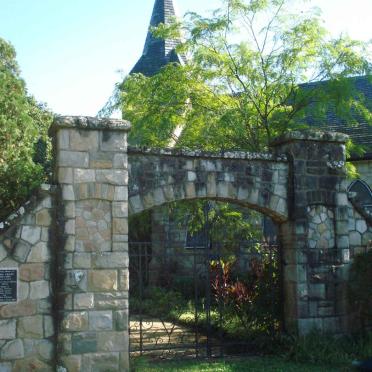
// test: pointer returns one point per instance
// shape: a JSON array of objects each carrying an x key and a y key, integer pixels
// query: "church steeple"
[{"x": 158, "y": 52}]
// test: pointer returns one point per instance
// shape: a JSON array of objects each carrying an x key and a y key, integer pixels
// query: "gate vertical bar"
[
  {"x": 220, "y": 302},
  {"x": 196, "y": 303},
  {"x": 208, "y": 278},
  {"x": 141, "y": 298}
]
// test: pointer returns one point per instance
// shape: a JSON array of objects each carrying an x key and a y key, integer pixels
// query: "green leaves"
[
  {"x": 155, "y": 105},
  {"x": 360, "y": 292},
  {"x": 243, "y": 84},
  {"x": 22, "y": 123}
]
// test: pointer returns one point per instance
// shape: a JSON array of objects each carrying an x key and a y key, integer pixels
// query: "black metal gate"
[{"x": 198, "y": 302}]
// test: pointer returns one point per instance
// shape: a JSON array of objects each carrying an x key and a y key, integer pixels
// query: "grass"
[
  {"x": 314, "y": 352},
  {"x": 266, "y": 363},
  {"x": 317, "y": 348}
]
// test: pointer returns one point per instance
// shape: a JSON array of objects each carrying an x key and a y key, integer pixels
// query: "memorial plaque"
[{"x": 8, "y": 285}]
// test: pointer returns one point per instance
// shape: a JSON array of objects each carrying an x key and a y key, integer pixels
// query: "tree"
[
  {"x": 255, "y": 70},
  {"x": 23, "y": 123},
  {"x": 244, "y": 83}
]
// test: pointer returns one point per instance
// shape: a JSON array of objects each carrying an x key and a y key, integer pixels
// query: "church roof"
[
  {"x": 361, "y": 133},
  {"x": 158, "y": 52}
]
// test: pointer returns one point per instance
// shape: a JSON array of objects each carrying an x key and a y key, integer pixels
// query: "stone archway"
[
  {"x": 257, "y": 181},
  {"x": 304, "y": 190}
]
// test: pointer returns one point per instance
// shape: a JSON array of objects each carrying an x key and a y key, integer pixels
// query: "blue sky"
[{"x": 70, "y": 51}]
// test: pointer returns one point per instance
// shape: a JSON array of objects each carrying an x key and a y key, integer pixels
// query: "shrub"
[
  {"x": 319, "y": 348},
  {"x": 157, "y": 302},
  {"x": 23, "y": 123},
  {"x": 360, "y": 289},
  {"x": 251, "y": 297}
]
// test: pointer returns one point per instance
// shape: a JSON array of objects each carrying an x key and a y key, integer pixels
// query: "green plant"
[
  {"x": 140, "y": 227},
  {"x": 139, "y": 363},
  {"x": 319, "y": 348},
  {"x": 243, "y": 84},
  {"x": 23, "y": 127},
  {"x": 360, "y": 289},
  {"x": 252, "y": 297},
  {"x": 157, "y": 302},
  {"x": 255, "y": 363}
]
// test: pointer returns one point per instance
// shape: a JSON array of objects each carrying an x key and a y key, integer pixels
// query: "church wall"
[{"x": 364, "y": 168}]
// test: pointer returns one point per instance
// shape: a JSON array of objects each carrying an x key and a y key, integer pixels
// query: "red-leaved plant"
[{"x": 235, "y": 294}]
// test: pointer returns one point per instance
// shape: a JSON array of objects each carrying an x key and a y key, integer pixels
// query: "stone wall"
[
  {"x": 92, "y": 286},
  {"x": 364, "y": 168},
  {"x": 360, "y": 240},
  {"x": 321, "y": 235},
  {"x": 315, "y": 239},
  {"x": 70, "y": 247},
  {"x": 27, "y": 340},
  {"x": 360, "y": 232},
  {"x": 257, "y": 181}
]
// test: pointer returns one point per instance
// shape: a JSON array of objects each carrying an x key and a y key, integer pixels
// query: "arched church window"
[
  {"x": 362, "y": 195},
  {"x": 195, "y": 240}
]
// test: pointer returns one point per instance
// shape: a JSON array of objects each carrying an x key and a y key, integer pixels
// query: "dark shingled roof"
[
  {"x": 158, "y": 52},
  {"x": 362, "y": 133}
]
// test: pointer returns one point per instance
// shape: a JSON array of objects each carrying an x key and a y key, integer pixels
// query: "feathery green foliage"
[{"x": 243, "y": 82}]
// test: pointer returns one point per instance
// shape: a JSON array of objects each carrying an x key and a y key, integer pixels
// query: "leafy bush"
[
  {"x": 157, "y": 302},
  {"x": 318, "y": 348},
  {"x": 23, "y": 123},
  {"x": 251, "y": 297},
  {"x": 360, "y": 289}
]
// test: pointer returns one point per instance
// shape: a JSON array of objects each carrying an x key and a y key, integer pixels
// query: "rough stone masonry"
[
  {"x": 92, "y": 283},
  {"x": 69, "y": 244}
]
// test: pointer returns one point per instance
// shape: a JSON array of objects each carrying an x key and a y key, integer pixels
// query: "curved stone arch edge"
[{"x": 275, "y": 216}]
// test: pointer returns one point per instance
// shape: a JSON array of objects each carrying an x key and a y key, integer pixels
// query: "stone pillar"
[
  {"x": 91, "y": 170},
  {"x": 315, "y": 239}
]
